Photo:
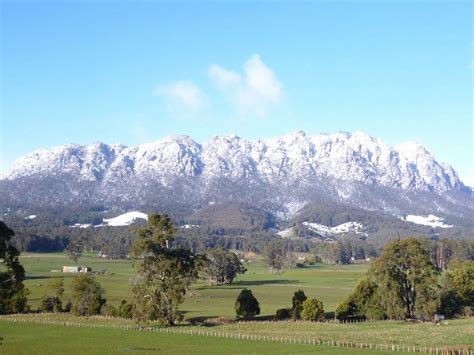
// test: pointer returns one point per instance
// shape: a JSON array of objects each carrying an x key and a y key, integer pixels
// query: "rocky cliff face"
[{"x": 280, "y": 174}]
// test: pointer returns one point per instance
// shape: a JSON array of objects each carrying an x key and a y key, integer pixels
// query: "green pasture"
[
  {"x": 449, "y": 335},
  {"x": 54, "y": 339},
  {"x": 330, "y": 283}
]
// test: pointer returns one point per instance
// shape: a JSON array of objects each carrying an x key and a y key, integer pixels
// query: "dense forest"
[{"x": 239, "y": 227}]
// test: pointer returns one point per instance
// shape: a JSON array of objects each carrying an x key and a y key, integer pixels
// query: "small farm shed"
[{"x": 74, "y": 269}]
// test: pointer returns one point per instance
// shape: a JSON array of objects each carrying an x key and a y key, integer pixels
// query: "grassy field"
[
  {"x": 51, "y": 339},
  {"x": 453, "y": 335},
  {"x": 326, "y": 282}
]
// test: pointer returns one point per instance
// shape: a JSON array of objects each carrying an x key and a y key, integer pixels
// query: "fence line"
[{"x": 251, "y": 337}]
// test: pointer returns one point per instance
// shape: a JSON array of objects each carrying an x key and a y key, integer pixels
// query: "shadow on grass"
[
  {"x": 243, "y": 284},
  {"x": 212, "y": 321},
  {"x": 34, "y": 277},
  {"x": 203, "y": 320},
  {"x": 47, "y": 277}
]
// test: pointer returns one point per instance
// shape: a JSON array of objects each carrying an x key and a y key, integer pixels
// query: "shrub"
[
  {"x": 68, "y": 306},
  {"x": 313, "y": 310},
  {"x": 283, "y": 314},
  {"x": 246, "y": 305},
  {"x": 125, "y": 310},
  {"x": 346, "y": 310},
  {"x": 109, "y": 310},
  {"x": 50, "y": 304}
]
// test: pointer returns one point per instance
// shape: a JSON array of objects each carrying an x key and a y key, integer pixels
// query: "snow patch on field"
[
  {"x": 125, "y": 219},
  {"x": 31, "y": 216},
  {"x": 430, "y": 220}
]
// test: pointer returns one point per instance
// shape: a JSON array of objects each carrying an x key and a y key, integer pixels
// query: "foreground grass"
[
  {"x": 53, "y": 339},
  {"x": 455, "y": 334},
  {"x": 330, "y": 283},
  {"x": 452, "y": 333}
]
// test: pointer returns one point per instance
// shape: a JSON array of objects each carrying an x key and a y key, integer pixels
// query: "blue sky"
[{"x": 132, "y": 72}]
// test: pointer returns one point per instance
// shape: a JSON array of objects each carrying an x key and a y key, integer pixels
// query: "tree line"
[{"x": 408, "y": 280}]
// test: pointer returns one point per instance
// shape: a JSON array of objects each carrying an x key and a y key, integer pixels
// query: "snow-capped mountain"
[{"x": 277, "y": 173}]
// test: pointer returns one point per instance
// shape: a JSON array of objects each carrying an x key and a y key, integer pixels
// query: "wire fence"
[{"x": 251, "y": 337}]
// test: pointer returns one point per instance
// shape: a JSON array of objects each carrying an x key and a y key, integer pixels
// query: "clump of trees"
[
  {"x": 221, "y": 266},
  {"x": 343, "y": 251},
  {"x": 403, "y": 284},
  {"x": 297, "y": 304},
  {"x": 278, "y": 256},
  {"x": 364, "y": 302},
  {"x": 164, "y": 274},
  {"x": 124, "y": 310},
  {"x": 87, "y": 296},
  {"x": 442, "y": 252},
  {"x": 294, "y": 312},
  {"x": 457, "y": 296},
  {"x": 246, "y": 305},
  {"x": 331, "y": 253},
  {"x": 51, "y": 300},
  {"x": 12, "y": 274}
]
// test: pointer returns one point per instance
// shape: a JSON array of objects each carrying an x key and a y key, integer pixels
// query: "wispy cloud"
[
  {"x": 253, "y": 92},
  {"x": 182, "y": 96}
]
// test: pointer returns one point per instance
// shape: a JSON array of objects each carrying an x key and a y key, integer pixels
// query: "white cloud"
[
  {"x": 183, "y": 96},
  {"x": 224, "y": 78},
  {"x": 255, "y": 91}
]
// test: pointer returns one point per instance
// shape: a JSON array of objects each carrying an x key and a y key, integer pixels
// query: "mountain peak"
[{"x": 286, "y": 170}]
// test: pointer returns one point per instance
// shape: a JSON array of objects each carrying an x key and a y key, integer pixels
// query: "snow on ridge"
[
  {"x": 325, "y": 231},
  {"x": 430, "y": 220},
  {"x": 125, "y": 219},
  {"x": 79, "y": 225},
  {"x": 189, "y": 226},
  {"x": 286, "y": 233},
  {"x": 349, "y": 157}
]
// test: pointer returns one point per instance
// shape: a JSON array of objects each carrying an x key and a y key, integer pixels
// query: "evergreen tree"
[
  {"x": 297, "y": 304},
  {"x": 246, "y": 305},
  {"x": 313, "y": 310},
  {"x": 12, "y": 274}
]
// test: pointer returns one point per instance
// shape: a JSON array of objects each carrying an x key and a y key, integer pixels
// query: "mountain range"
[{"x": 278, "y": 175}]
